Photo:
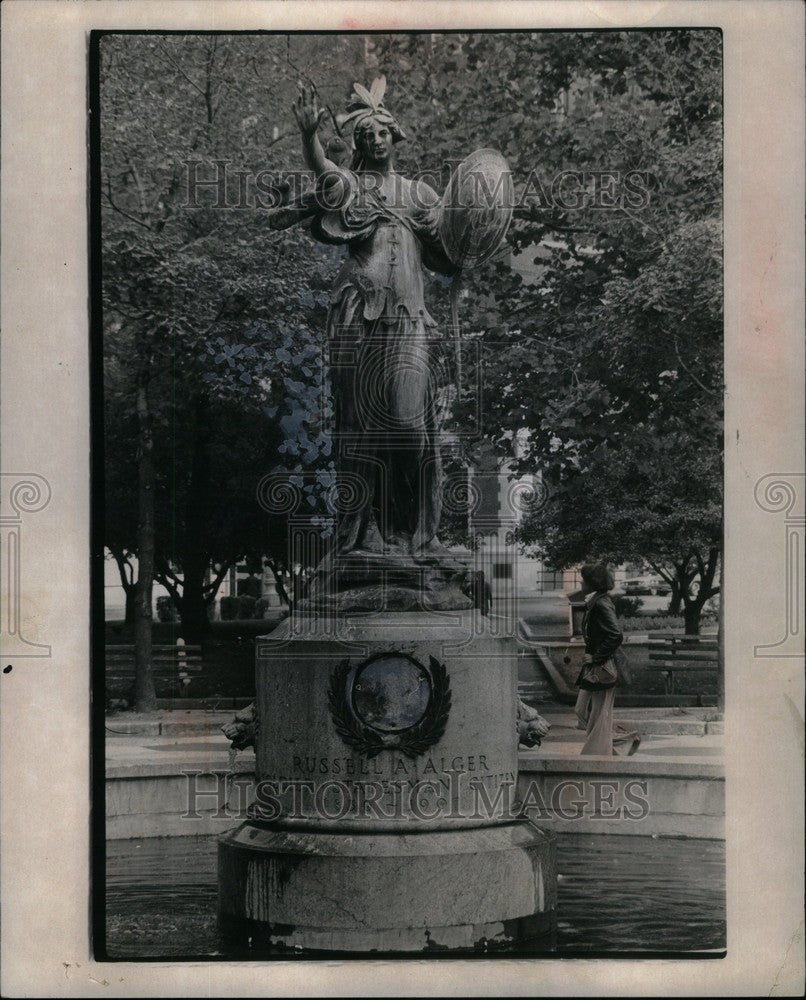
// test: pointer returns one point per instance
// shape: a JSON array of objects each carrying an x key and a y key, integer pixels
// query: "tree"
[
  {"x": 617, "y": 507},
  {"x": 193, "y": 279},
  {"x": 607, "y": 346},
  {"x": 616, "y": 327},
  {"x": 120, "y": 509},
  {"x": 209, "y": 518}
]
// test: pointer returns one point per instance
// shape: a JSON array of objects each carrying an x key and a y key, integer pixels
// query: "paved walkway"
[
  {"x": 668, "y": 733},
  {"x": 548, "y": 616},
  {"x": 172, "y": 739}
]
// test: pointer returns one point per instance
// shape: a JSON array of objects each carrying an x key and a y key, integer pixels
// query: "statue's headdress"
[{"x": 365, "y": 105}]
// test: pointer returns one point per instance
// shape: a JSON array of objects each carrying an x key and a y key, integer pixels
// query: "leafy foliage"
[
  {"x": 601, "y": 334},
  {"x": 203, "y": 302},
  {"x": 599, "y": 325}
]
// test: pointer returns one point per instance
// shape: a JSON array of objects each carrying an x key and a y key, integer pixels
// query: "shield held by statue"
[{"x": 476, "y": 208}]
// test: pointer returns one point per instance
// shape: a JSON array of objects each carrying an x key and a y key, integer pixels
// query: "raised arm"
[{"x": 309, "y": 116}]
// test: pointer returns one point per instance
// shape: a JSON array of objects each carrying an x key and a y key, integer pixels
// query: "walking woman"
[{"x": 599, "y": 675}]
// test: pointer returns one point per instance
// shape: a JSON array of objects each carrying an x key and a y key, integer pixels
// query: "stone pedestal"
[
  {"x": 385, "y": 817},
  {"x": 485, "y": 889},
  {"x": 391, "y": 581}
]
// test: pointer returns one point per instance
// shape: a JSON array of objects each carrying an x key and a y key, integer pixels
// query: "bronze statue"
[
  {"x": 387, "y": 358},
  {"x": 385, "y": 347}
]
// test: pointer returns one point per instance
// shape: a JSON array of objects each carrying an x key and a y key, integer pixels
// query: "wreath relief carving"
[{"x": 390, "y": 702}]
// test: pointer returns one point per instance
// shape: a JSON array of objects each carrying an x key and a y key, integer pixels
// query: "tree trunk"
[
  {"x": 676, "y": 598},
  {"x": 715, "y": 556},
  {"x": 693, "y": 606},
  {"x": 193, "y": 607},
  {"x": 131, "y": 606},
  {"x": 691, "y": 616},
  {"x": 129, "y": 588},
  {"x": 681, "y": 584},
  {"x": 145, "y": 697},
  {"x": 195, "y": 554},
  {"x": 706, "y": 590},
  {"x": 278, "y": 582},
  {"x": 672, "y": 577}
]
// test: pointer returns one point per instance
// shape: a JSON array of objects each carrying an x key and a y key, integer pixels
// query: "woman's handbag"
[{"x": 604, "y": 674}]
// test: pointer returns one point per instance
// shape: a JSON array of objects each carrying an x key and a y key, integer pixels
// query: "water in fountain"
[{"x": 616, "y": 894}]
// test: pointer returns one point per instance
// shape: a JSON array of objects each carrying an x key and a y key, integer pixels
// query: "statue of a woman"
[{"x": 385, "y": 348}]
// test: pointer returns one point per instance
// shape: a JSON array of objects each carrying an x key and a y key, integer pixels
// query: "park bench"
[
  {"x": 172, "y": 663},
  {"x": 672, "y": 654}
]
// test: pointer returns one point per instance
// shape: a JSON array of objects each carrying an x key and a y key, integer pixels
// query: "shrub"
[
  {"x": 246, "y": 606},
  {"x": 229, "y": 608},
  {"x": 710, "y": 612},
  {"x": 627, "y": 607},
  {"x": 240, "y": 608},
  {"x": 662, "y": 622},
  {"x": 262, "y": 607},
  {"x": 166, "y": 609}
]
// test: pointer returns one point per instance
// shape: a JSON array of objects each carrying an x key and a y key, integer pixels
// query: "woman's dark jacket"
[{"x": 602, "y": 634}]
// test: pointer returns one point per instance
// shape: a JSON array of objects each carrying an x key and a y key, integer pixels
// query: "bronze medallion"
[{"x": 390, "y": 702}]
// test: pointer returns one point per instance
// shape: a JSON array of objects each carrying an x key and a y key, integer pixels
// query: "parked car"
[{"x": 646, "y": 586}]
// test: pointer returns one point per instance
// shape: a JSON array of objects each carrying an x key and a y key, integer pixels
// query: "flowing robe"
[{"x": 386, "y": 360}]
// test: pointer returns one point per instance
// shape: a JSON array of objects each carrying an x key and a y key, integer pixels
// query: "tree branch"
[
  {"x": 172, "y": 589},
  {"x": 166, "y": 569},
  {"x": 121, "y": 211},
  {"x": 670, "y": 81},
  {"x": 126, "y": 579},
  {"x": 165, "y": 195},
  {"x": 683, "y": 575},
  {"x": 662, "y": 573},
  {"x": 211, "y": 589},
  {"x": 278, "y": 581},
  {"x": 140, "y": 189},
  {"x": 688, "y": 371},
  {"x": 640, "y": 222},
  {"x": 179, "y": 70},
  {"x": 198, "y": 239},
  {"x": 284, "y": 135}
]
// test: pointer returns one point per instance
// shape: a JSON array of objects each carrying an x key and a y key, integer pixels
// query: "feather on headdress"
[{"x": 367, "y": 104}]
